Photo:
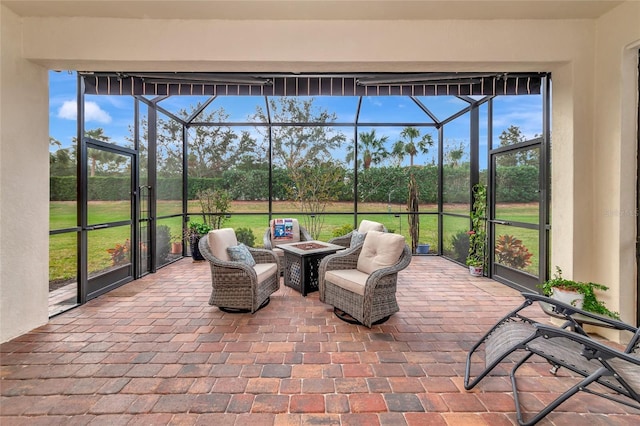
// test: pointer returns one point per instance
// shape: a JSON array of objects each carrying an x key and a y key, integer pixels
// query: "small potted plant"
[
  {"x": 193, "y": 234},
  {"x": 576, "y": 293},
  {"x": 476, "y": 266},
  {"x": 176, "y": 244}
]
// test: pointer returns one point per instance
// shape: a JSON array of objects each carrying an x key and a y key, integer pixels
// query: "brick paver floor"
[{"x": 154, "y": 352}]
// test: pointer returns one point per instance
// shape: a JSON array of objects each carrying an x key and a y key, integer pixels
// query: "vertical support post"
[
  {"x": 440, "y": 190},
  {"x": 545, "y": 183},
  {"x": 82, "y": 186},
  {"x": 185, "y": 185},
  {"x": 152, "y": 130},
  {"x": 355, "y": 166}
]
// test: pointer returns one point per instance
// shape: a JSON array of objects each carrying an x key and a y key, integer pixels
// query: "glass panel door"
[
  {"x": 515, "y": 231},
  {"x": 109, "y": 210}
]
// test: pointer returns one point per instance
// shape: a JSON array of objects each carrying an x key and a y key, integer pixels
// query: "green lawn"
[{"x": 63, "y": 215}]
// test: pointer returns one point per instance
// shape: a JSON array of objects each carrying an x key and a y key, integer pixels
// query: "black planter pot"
[{"x": 195, "y": 250}]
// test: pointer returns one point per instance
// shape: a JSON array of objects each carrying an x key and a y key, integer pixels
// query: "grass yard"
[{"x": 62, "y": 247}]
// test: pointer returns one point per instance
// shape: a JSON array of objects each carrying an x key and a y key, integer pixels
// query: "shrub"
[
  {"x": 120, "y": 253},
  {"x": 342, "y": 230},
  {"x": 163, "y": 243},
  {"x": 511, "y": 252},
  {"x": 245, "y": 236},
  {"x": 460, "y": 244}
]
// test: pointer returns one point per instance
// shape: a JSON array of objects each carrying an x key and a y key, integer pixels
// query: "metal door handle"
[{"x": 94, "y": 227}]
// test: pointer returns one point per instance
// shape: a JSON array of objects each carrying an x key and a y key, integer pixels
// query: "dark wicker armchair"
[
  {"x": 365, "y": 294},
  {"x": 235, "y": 285}
]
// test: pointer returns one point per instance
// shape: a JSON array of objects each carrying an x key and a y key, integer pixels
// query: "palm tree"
[
  {"x": 411, "y": 148},
  {"x": 372, "y": 149}
]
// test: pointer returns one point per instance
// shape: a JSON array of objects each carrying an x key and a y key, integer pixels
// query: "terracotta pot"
[{"x": 176, "y": 248}]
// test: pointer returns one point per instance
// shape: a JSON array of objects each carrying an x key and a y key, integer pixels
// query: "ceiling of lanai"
[{"x": 314, "y": 9}]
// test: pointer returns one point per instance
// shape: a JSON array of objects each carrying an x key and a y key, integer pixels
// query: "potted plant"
[
  {"x": 194, "y": 232},
  {"x": 176, "y": 244},
  {"x": 476, "y": 266},
  {"x": 476, "y": 259},
  {"x": 576, "y": 293},
  {"x": 214, "y": 205}
]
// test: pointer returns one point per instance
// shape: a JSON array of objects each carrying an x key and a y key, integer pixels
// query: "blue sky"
[{"x": 115, "y": 113}]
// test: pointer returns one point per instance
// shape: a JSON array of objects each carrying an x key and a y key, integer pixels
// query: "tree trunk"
[{"x": 414, "y": 218}]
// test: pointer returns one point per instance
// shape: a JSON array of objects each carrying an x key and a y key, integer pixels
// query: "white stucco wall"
[
  {"x": 568, "y": 48},
  {"x": 614, "y": 158},
  {"x": 24, "y": 186}
]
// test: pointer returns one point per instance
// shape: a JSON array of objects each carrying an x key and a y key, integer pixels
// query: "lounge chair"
[{"x": 517, "y": 338}]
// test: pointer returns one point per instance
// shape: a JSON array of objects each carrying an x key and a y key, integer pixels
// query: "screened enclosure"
[{"x": 236, "y": 150}]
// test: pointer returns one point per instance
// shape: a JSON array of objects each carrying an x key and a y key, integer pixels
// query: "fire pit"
[{"x": 308, "y": 246}]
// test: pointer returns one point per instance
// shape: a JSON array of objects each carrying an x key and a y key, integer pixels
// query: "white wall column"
[{"x": 24, "y": 185}]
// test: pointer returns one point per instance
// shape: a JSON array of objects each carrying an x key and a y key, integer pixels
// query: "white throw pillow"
[
  {"x": 369, "y": 225},
  {"x": 380, "y": 250}
]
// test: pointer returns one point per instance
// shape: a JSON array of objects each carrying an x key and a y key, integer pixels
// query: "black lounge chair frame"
[{"x": 567, "y": 346}]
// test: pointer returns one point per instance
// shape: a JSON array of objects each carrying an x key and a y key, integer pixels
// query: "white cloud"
[{"x": 92, "y": 112}]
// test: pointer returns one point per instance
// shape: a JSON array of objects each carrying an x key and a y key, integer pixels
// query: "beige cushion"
[
  {"x": 265, "y": 270},
  {"x": 349, "y": 279},
  {"x": 380, "y": 250},
  {"x": 284, "y": 231},
  {"x": 219, "y": 240},
  {"x": 368, "y": 225}
]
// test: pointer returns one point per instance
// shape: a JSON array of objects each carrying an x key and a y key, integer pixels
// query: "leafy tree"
[
  {"x": 409, "y": 146},
  {"x": 62, "y": 162},
  {"x": 298, "y": 146},
  {"x": 303, "y": 152},
  {"x": 372, "y": 148},
  {"x": 101, "y": 161},
  {"x": 54, "y": 142},
  {"x": 215, "y": 205},
  {"x": 316, "y": 186},
  {"x": 211, "y": 149},
  {"x": 214, "y": 149},
  {"x": 453, "y": 154},
  {"x": 511, "y": 136}
]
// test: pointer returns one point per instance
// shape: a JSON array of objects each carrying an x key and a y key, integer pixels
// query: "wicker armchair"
[
  {"x": 363, "y": 228},
  {"x": 361, "y": 281},
  {"x": 298, "y": 233},
  {"x": 235, "y": 285},
  {"x": 516, "y": 338}
]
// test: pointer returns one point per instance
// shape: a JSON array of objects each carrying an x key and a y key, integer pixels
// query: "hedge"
[{"x": 379, "y": 184}]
